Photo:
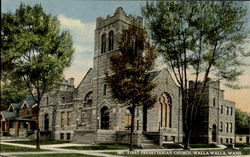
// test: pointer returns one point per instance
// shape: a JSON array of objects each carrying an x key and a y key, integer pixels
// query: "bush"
[
  {"x": 242, "y": 145},
  {"x": 203, "y": 146},
  {"x": 171, "y": 146}
]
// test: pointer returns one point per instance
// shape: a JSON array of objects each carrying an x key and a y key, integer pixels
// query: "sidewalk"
[{"x": 55, "y": 149}]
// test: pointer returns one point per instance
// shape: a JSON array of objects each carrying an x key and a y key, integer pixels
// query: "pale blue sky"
[{"x": 79, "y": 17}]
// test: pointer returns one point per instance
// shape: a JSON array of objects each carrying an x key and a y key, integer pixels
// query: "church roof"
[{"x": 153, "y": 74}]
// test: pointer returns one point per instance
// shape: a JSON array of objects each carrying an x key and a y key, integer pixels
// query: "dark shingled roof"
[
  {"x": 8, "y": 115},
  {"x": 16, "y": 105},
  {"x": 153, "y": 74},
  {"x": 29, "y": 101}
]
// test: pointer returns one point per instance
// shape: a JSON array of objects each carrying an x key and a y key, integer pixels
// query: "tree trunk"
[
  {"x": 187, "y": 134},
  {"x": 132, "y": 128},
  {"x": 38, "y": 131}
]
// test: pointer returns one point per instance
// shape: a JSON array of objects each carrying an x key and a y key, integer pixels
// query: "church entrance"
[{"x": 105, "y": 118}]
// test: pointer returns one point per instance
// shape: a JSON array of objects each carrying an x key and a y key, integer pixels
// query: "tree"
[
  {"x": 36, "y": 50},
  {"x": 242, "y": 122},
  {"x": 12, "y": 91},
  {"x": 196, "y": 40},
  {"x": 129, "y": 82}
]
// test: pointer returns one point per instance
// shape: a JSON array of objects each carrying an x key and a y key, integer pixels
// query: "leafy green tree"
[
  {"x": 242, "y": 121},
  {"x": 35, "y": 49},
  {"x": 129, "y": 81},
  {"x": 197, "y": 40},
  {"x": 12, "y": 92}
]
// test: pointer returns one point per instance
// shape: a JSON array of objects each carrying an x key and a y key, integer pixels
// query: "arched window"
[
  {"x": 111, "y": 40},
  {"x": 103, "y": 43},
  {"x": 165, "y": 110},
  {"x": 88, "y": 98},
  {"x": 105, "y": 89},
  {"x": 128, "y": 117},
  {"x": 105, "y": 118},
  {"x": 46, "y": 122}
]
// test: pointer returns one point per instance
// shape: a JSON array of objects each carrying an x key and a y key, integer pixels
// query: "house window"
[
  {"x": 61, "y": 136},
  {"x": 221, "y": 140},
  {"x": 213, "y": 101},
  {"x": 47, "y": 100},
  {"x": 221, "y": 109},
  {"x": 62, "y": 119},
  {"x": 103, "y": 43},
  {"x": 240, "y": 139},
  {"x": 231, "y": 127},
  {"x": 68, "y": 117},
  {"x": 231, "y": 140},
  {"x": 128, "y": 117},
  {"x": 227, "y": 110},
  {"x": 231, "y": 110},
  {"x": 111, "y": 40},
  {"x": 105, "y": 89}
]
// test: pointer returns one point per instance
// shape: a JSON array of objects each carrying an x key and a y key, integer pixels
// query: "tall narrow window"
[
  {"x": 213, "y": 101},
  {"x": 103, "y": 43},
  {"x": 231, "y": 110},
  {"x": 62, "y": 118},
  {"x": 128, "y": 117},
  {"x": 68, "y": 117},
  {"x": 165, "y": 110},
  {"x": 221, "y": 126},
  {"x": 227, "y": 126},
  {"x": 227, "y": 110},
  {"x": 105, "y": 89},
  {"x": 221, "y": 109},
  {"x": 47, "y": 100},
  {"x": 111, "y": 40}
]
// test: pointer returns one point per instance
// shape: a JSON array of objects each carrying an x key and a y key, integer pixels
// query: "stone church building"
[{"x": 88, "y": 114}]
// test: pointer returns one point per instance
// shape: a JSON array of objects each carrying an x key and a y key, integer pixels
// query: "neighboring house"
[
  {"x": 20, "y": 118},
  {"x": 243, "y": 136},
  {"x": 88, "y": 114}
]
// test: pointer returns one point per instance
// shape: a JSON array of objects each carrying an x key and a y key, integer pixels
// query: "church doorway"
[
  {"x": 46, "y": 122},
  {"x": 105, "y": 118},
  {"x": 214, "y": 133}
]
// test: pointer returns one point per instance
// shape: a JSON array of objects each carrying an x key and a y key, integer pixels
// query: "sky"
[{"x": 79, "y": 16}]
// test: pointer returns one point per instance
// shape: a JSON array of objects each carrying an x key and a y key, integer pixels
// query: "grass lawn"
[
  {"x": 54, "y": 155},
  {"x": 101, "y": 147},
  {"x": 41, "y": 142},
  {"x": 8, "y": 148}
]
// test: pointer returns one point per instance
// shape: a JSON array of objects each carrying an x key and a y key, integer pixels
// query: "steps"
[
  {"x": 84, "y": 137},
  {"x": 150, "y": 141}
]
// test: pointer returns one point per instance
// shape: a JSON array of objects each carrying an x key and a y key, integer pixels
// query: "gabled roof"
[
  {"x": 16, "y": 106},
  {"x": 29, "y": 101},
  {"x": 153, "y": 74},
  {"x": 8, "y": 115}
]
